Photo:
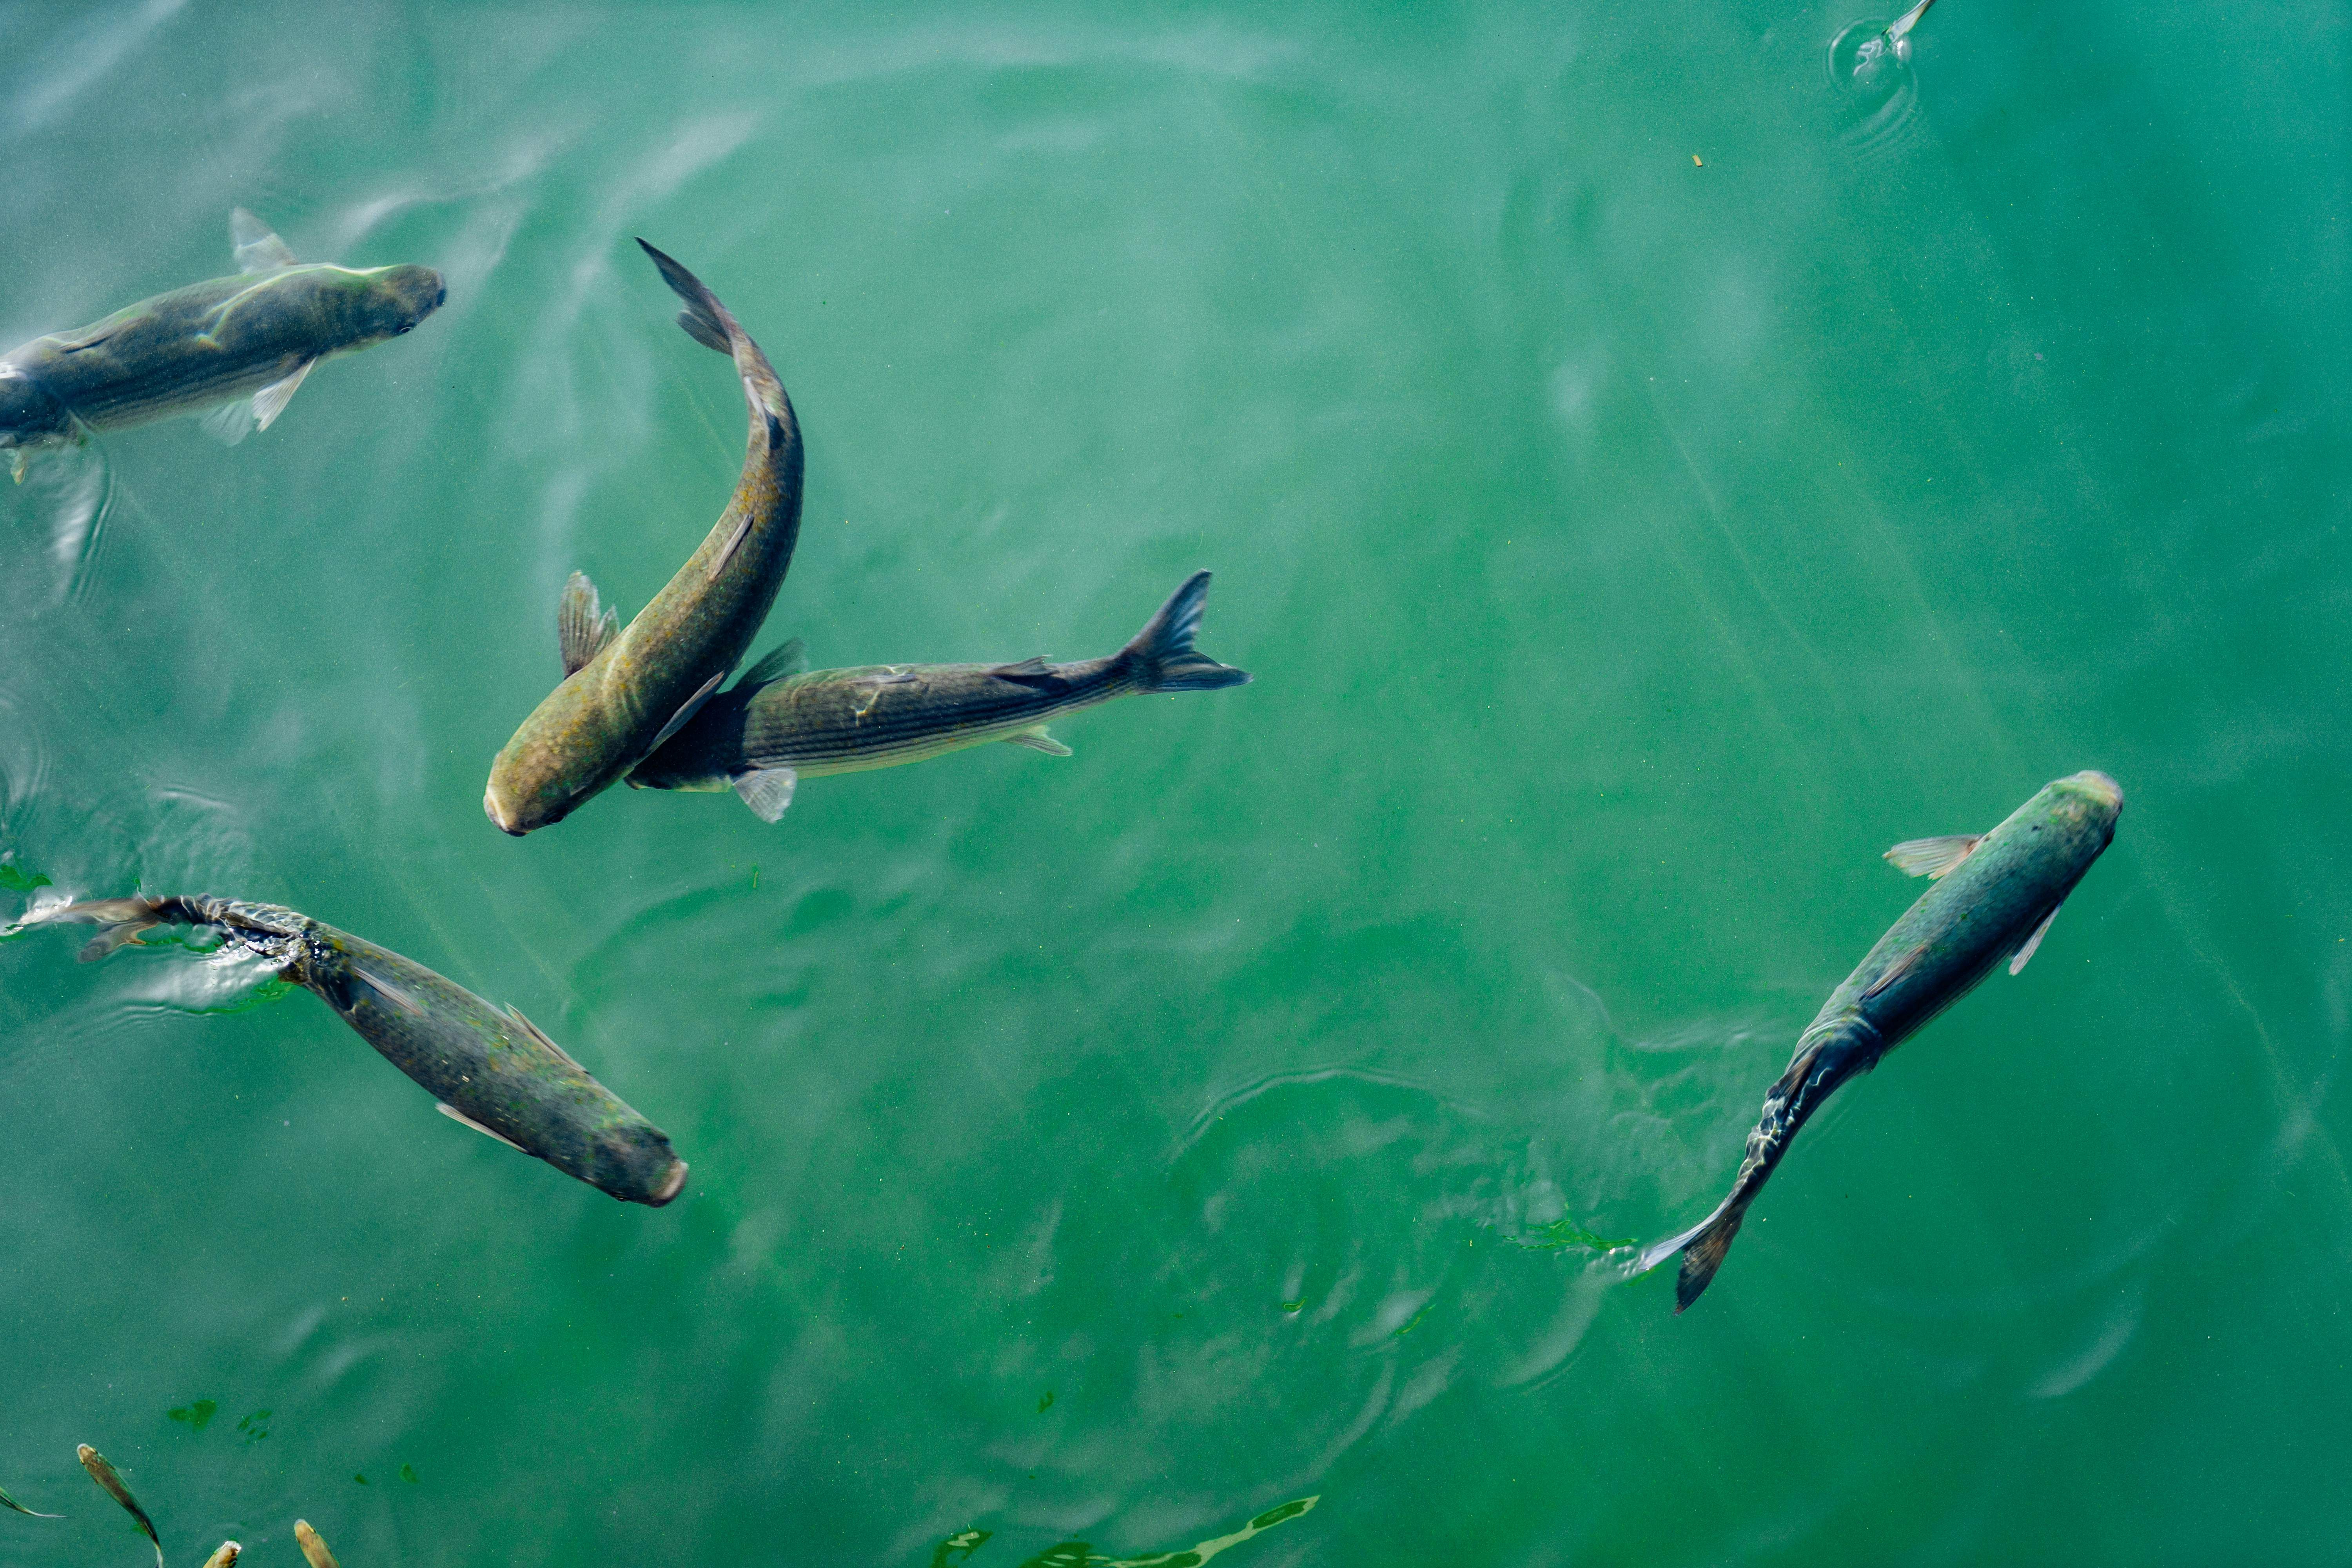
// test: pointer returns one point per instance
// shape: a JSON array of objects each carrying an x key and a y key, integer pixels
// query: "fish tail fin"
[
  {"x": 119, "y": 922},
  {"x": 712, "y": 325},
  {"x": 1702, "y": 1246},
  {"x": 1162, "y": 656}
]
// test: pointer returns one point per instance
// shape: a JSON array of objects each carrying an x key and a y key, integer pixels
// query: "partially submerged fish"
[
  {"x": 1994, "y": 897},
  {"x": 625, "y": 693},
  {"x": 489, "y": 1066},
  {"x": 1891, "y": 44},
  {"x": 314, "y": 1551},
  {"x": 773, "y": 727},
  {"x": 103, "y": 1474},
  {"x": 224, "y": 1555},
  {"x": 238, "y": 345}
]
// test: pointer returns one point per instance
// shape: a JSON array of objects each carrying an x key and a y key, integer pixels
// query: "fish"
[
  {"x": 240, "y": 346},
  {"x": 224, "y": 1555},
  {"x": 103, "y": 1474},
  {"x": 1993, "y": 899},
  {"x": 8, "y": 1501},
  {"x": 775, "y": 727},
  {"x": 314, "y": 1551},
  {"x": 487, "y": 1067},
  {"x": 626, "y": 691},
  {"x": 1890, "y": 45}
]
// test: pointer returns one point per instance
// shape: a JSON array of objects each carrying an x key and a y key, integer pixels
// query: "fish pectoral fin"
[
  {"x": 389, "y": 992},
  {"x": 767, "y": 791},
  {"x": 1036, "y": 739},
  {"x": 271, "y": 400},
  {"x": 1028, "y": 672},
  {"x": 257, "y": 247},
  {"x": 582, "y": 626},
  {"x": 1894, "y": 972},
  {"x": 536, "y": 1033},
  {"x": 230, "y": 423},
  {"x": 1932, "y": 858},
  {"x": 778, "y": 664},
  {"x": 2033, "y": 943},
  {"x": 677, "y": 720},
  {"x": 459, "y": 1117},
  {"x": 704, "y": 328}
]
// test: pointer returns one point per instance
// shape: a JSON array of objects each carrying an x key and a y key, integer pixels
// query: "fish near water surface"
[
  {"x": 1994, "y": 897},
  {"x": 488, "y": 1066},
  {"x": 625, "y": 693},
  {"x": 238, "y": 345},
  {"x": 774, "y": 727}
]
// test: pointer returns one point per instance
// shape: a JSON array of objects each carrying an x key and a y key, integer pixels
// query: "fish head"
[
  {"x": 2083, "y": 808},
  {"x": 393, "y": 300},
  {"x": 28, "y": 414},
  {"x": 635, "y": 1163},
  {"x": 519, "y": 812}
]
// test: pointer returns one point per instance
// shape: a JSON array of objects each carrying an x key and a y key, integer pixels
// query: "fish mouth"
[
  {"x": 2099, "y": 788},
  {"x": 497, "y": 812},
  {"x": 671, "y": 1187}
]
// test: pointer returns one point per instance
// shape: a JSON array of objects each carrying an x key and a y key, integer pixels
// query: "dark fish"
[
  {"x": 314, "y": 1551},
  {"x": 774, "y": 727},
  {"x": 240, "y": 346},
  {"x": 1994, "y": 899},
  {"x": 489, "y": 1066},
  {"x": 8, "y": 1501},
  {"x": 623, "y": 694},
  {"x": 103, "y": 1474}
]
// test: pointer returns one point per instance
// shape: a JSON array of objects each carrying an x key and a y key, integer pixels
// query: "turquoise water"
[{"x": 1646, "y": 478}]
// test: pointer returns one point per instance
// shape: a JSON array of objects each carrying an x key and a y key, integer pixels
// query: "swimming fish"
[
  {"x": 314, "y": 1551},
  {"x": 103, "y": 1474},
  {"x": 625, "y": 693},
  {"x": 8, "y": 1501},
  {"x": 488, "y": 1066},
  {"x": 224, "y": 1555},
  {"x": 238, "y": 345},
  {"x": 1892, "y": 44},
  {"x": 1994, "y": 897},
  {"x": 773, "y": 727}
]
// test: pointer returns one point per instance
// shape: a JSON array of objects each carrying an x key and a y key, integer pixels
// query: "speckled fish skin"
[
  {"x": 486, "y": 1063},
  {"x": 205, "y": 344},
  {"x": 879, "y": 716},
  {"x": 1993, "y": 904},
  {"x": 611, "y": 712}
]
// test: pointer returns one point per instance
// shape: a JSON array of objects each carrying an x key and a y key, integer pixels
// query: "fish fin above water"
[
  {"x": 539, "y": 1035},
  {"x": 582, "y": 626},
  {"x": 1894, "y": 972},
  {"x": 1163, "y": 653},
  {"x": 314, "y": 1551},
  {"x": 1932, "y": 858},
  {"x": 1703, "y": 1248},
  {"x": 767, "y": 791},
  {"x": 780, "y": 663},
  {"x": 1900, "y": 26},
  {"x": 1036, "y": 739},
  {"x": 2033, "y": 943},
  {"x": 271, "y": 400},
  {"x": 257, "y": 247},
  {"x": 396, "y": 994},
  {"x": 677, "y": 720},
  {"x": 459, "y": 1117},
  {"x": 230, "y": 423},
  {"x": 1029, "y": 672}
]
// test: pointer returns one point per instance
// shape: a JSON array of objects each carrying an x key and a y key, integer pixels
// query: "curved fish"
[
  {"x": 238, "y": 345},
  {"x": 774, "y": 727},
  {"x": 1994, "y": 897},
  {"x": 623, "y": 694},
  {"x": 489, "y": 1066}
]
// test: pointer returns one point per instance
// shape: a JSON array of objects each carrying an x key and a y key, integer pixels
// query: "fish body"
[
  {"x": 1994, "y": 897},
  {"x": 256, "y": 334},
  {"x": 625, "y": 693},
  {"x": 489, "y": 1066},
  {"x": 111, "y": 1484},
  {"x": 772, "y": 729},
  {"x": 314, "y": 1551}
]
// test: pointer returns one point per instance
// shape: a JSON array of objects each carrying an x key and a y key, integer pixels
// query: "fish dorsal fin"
[
  {"x": 767, "y": 791},
  {"x": 1028, "y": 672},
  {"x": 459, "y": 1117},
  {"x": 230, "y": 423},
  {"x": 1036, "y": 739},
  {"x": 1932, "y": 858},
  {"x": 536, "y": 1033},
  {"x": 395, "y": 994},
  {"x": 271, "y": 400},
  {"x": 258, "y": 248},
  {"x": 677, "y": 720},
  {"x": 582, "y": 626},
  {"x": 1894, "y": 972},
  {"x": 2033, "y": 942},
  {"x": 777, "y": 663}
]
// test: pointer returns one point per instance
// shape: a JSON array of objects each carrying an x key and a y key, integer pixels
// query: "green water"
[{"x": 1646, "y": 481}]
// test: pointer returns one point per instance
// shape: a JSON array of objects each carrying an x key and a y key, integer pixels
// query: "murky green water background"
[{"x": 1645, "y": 481}]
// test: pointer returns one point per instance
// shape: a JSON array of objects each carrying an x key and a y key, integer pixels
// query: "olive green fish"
[
  {"x": 774, "y": 727},
  {"x": 240, "y": 346},
  {"x": 1994, "y": 897},
  {"x": 488, "y": 1066},
  {"x": 103, "y": 1474},
  {"x": 314, "y": 1551},
  {"x": 625, "y": 692}
]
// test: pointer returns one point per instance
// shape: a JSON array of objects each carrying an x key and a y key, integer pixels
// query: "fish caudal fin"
[
  {"x": 1162, "y": 656},
  {"x": 710, "y": 324},
  {"x": 120, "y": 923},
  {"x": 1703, "y": 1248}
]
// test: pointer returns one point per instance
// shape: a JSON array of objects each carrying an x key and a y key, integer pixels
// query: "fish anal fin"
[
  {"x": 257, "y": 247},
  {"x": 1037, "y": 740},
  {"x": 462, "y": 1119},
  {"x": 1933, "y": 857},
  {"x": 271, "y": 400},
  {"x": 677, "y": 720},
  {"x": 1894, "y": 972},
  {"x": 767, "y": 791},
  {"x": 230, "y": 423},
  {"x": 582, "y": 626},
  {"x": 2033, "y": 942}
]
